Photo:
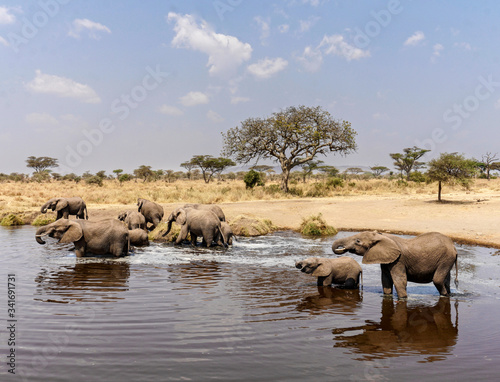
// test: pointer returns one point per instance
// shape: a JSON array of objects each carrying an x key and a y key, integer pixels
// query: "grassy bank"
[{"x": 25, "y": 199}]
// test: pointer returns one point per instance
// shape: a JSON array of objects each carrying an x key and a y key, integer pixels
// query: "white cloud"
[
  {"x": 3, "y": 41},
  {"x": 85, "y": 25},
  {"x": 311, "y": 59},
  {"x": 44, "y": 119},
  {"x": 415, "y": 39},
  {"x": 214, "y": 117},
  {"x": 62, "y": 87},
  {"x": 337, "y": 45},
  {"x": 314, "y": 3},
  {"x": 284, "y": 28},
  {"x": 237, "y": 100},
  {"x": 225, "y": 53},
  {"x": 436, "y": 51},
  {"x": 267, "y": 67},
  {"x": 170, "y": 110},
  {"x": 6, "y": 17},
  {"x": 265, "y": 29},
  {"x": 194, "y": 98},
  {"x": 305, "y": 25},
  {"x": 497, "y": 104}
]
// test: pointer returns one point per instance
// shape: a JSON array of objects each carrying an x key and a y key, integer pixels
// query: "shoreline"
[{"x": 466, "y": 218}]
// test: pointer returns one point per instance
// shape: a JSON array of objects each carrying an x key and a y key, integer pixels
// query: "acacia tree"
[
  {"x": 378, "y": 170},
  {"x": 291, "y": 137},
  {"x": 209, "y": 165},
  {"x": 408, "y": 160},
  {"x": 40, "y": 164},
  {"x": 451, "y": 168},
  {"x": 489, "y": 163}
]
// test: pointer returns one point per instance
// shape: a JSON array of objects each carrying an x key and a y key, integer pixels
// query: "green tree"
[
  {"x": 451, "y": 168},
  {"x": 40, "y": 164},
  {"x": 118, "y": 172},
  {"x": 408, "y": 160},
  {"x": 488, "y": 163},
  {"x": 378, "y": 170},
  {"x": 308, "y": 168},
  {"x": 291, "y": 137},
  {"x": 253, "y": 178},
  {"x": 145, "y": 173},
  {"x": 329, "y": 171},
  {"x": 209, "y": 165},
  {"x": 124, "y": 178}
]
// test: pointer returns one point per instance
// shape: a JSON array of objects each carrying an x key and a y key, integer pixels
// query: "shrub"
[
  {"x": 335, "y": 182},
  {"x": 43, "y": 219},
  {"x": 94, "y": 179},
  {"x": 252, "y": 178},
  {"x": 11, "y": 220},
  {"x": 316, "y": 226}
]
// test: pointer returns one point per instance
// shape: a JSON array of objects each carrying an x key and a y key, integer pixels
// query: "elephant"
[
  {"x": 343, "y": 270},
  {"x": 227, "y": 232},
  {"x": 152, "y": 211},
  {"x": 197, "y": 223},
  {"x": 133, "y": 219},
  {"x": 107, "y": 236},
  {"x": 67, "y": 206},
  {"x": 422, "y": 259},
  {"x": 138, "y": 237},
  {"x": 211, "y": 207}
]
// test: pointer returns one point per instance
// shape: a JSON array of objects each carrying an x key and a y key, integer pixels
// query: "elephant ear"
[
  {"x": 61, "y": 204},
  {"x": 72, "y": 234},
  {"x": 323, "y": 269},
  {"x": 385, "y": 251},
  {"x": 181, "y": 217}
]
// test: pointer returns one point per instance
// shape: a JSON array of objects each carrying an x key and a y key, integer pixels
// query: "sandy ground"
[{"x": 471, "y": 219}]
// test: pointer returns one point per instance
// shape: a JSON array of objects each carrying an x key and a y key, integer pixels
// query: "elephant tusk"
[{"x": 340, "y": 250}]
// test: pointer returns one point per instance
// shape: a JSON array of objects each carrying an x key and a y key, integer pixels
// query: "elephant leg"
[
  {"x": 442, "y": 283},
  {"x": 194, "y": 239},
  {"x": 387, "y": 282},
  {"x": 65, "y": 214},
  {"x": 59, "y": 215},
  {"x": 208, "y": 239},
  {"x": 182, "y": 235},
  {"x": 325, "y": 280},
  {"x": 400, "y": 280},
  {"x": 80, "y": 250}
]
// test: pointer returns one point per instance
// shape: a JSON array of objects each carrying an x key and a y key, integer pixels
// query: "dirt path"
[{"x": 472, "y": 219}]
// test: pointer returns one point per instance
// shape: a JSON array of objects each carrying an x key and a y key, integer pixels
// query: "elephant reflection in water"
[
  {"x": 332, "y": 300},
  {"x": 84, "y": 281},
  {"x": 404, "y": 330}
]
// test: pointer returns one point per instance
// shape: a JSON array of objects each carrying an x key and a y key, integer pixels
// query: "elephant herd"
[
  {"x": 115, "y": 236},
  {"x": 422, "y": 259}
]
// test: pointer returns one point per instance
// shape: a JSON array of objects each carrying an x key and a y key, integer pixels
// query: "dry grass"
[{"x": 19, "y": 198}]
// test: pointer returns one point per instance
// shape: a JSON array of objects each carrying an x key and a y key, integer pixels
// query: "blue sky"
[{"x": 102, "y": 85}]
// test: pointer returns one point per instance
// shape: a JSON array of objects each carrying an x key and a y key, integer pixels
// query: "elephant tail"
[
  {"x": 223, "y": 237},
  {"x": 456, "y": 272},
  {"x": 86, "y": 213}
]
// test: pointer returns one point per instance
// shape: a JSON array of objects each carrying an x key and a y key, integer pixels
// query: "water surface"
[{"x": 170, "y": 313}]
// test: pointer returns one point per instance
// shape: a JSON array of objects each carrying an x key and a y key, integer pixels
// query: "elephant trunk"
[
  {"x": 42, "y": 231},
  {"x": 44, "y": 208},
  {"x": 338, "y": 247},
  {"x": 168, "y": 227}
]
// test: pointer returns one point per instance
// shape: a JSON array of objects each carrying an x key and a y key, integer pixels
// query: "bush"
[
  {"x": 94, "y": 180},
  {"x": 252, "y": 178},
  {"x": 335, "y": 183},
  {"x": 11, "y": 220},
  {"x": 316, "y": 226},
  {"x": 44, "y": 219}
]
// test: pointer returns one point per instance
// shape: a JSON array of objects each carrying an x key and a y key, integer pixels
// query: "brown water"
[{"x": 242, "y": 314}]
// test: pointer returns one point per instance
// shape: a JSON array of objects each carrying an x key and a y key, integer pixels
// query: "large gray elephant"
[
  {"x": 210, "y": 207},
  {"x": 344, "y": 271},
  {"x": 422, "y": 259},
  {"x": 107, "y": 236},
  {"x": 152, "y": 211},
  {"x": 138, "y": 237},
  {"x": 202, "y": 223},
  {"x": 133, "y": 219},
  {"x": 66, "y": 206}
]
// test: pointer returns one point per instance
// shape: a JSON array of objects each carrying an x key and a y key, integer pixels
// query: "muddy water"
[{"x": 245, "y": 314}]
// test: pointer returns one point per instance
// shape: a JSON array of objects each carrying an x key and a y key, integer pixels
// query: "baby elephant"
[{"x": 344, "y": 271}]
